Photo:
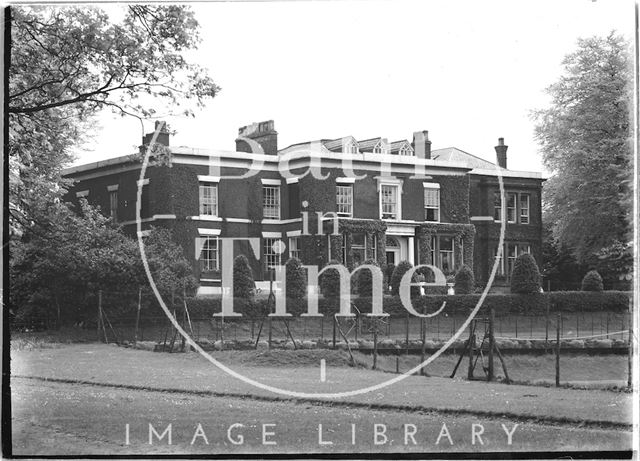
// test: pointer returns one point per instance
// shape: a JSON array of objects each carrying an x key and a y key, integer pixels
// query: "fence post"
[
  {"x": 375, "y": 342},
  {"x": 546, "y": 326},
  {"x": 406, "y": 336},
  {"x": 99, "y": 313},
  {"x": 335, "y": 320},
  {"x": 558, "y": 320},
  {"x": 492, "y": 342},
  {"x": 630, "y": 360},
  {"x": 135, "y": 332},
  {"x": 472, "y": 346},
  {"x": 423, "y": 337}
]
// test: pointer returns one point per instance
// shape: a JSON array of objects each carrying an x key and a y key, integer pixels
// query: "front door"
[
  {"x": 393, "y": 250},
  {"x": 391, "y": 257}
]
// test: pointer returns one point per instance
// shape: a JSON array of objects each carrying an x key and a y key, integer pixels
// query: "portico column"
[{"x": 410, "y": 251}]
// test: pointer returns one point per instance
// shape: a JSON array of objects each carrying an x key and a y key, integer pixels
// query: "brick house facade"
[{"x": 387, "y": 201}]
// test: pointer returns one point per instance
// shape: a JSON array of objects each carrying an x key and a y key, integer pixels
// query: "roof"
[{"x": 453, "y": 154}]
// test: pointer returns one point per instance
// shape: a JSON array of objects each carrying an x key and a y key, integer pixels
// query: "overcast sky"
[{"x": 466, "y": 71}]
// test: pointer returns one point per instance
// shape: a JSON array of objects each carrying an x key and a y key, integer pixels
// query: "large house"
[{"x": 375, "y": 199}]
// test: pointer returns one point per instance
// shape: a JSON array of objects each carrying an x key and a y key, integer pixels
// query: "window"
[
  {"x": 374, "y": 247},
  {"x": 389, "y": 201},
  {"x": 441, "y": 253},
  {"x": 209, "y": 199},
  {"x": 344, "y": 249},
  {"x": 113, "y": 205},
  {"x": 271, "y": 202},
  {"x": 350, "y": 147},
  {"x": 431, "y": 204},
  {"x": 381, "y": 148},
  {"x": 524, "y": 208},
  {"x": 432, "y": 252},
  {"x": 511, "y": 207},
  {"x": 497, "y": 207},
  {"x": 344, "y": 200},
  {"x": 512, "y": 254},
  {"x": 272, "y": 252},
  {"x": 513, "y": 251},
  {"x": 500, "y": 259},
  {"x": 446, "y": 254},
  {"x": 209, "y": 256},
  {"x": 294, "y": 247},
  {"x": 358, "y": 249},
  {"x": 406, "y": 150}
]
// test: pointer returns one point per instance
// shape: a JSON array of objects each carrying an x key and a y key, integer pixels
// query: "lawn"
[
  {"x": 68, "y": 419},
  {"x": 300, "y": 371}
]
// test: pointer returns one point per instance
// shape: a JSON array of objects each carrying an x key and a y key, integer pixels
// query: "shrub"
[
  {"x": 365, "y": 280},
  {"x": 464, "y": 282},
  {"x": 330, "y": 282},
  {"x": 397, "y": 275},
  {"x": 557, "y": 301},
  {"x": 243, "y": 283},
  {"x": 592, "y": 281},
  {"x": 525, "y": 277},
  {"x": 296, "y": 277}
]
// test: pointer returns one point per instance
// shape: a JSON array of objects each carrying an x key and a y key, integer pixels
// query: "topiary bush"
[
  {"x": 330, "y": 282},
  {"x": 592, "y": 281},
  {"x": 296, "y": 286},
  {"x": 397, "y": 275},
  {"x": 525, "y": 277},
  {"x": 365, "y": 280},
  {"x": 464, "y": 281},
  {"x": 243, "y": 283}
]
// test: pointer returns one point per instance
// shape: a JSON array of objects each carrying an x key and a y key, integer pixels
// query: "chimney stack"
[
  {"x": 262, "y": 133},
  {"x": 501, "y": 153},
  {"x": 421, "y": 144},
  {"x": 163, "y": 135}
]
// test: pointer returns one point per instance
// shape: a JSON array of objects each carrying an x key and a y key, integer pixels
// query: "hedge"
[{"x": 504, "y": 304}]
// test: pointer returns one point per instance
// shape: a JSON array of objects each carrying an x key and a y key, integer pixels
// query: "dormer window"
[
  {"x": 381, "y": 148},
  {"x": 351, "y": 146},
  {"x": 406, "y": 150}
]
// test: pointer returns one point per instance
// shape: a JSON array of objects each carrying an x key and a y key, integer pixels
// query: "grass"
[
  {"x": 580, "y": 370},
  {"x": 54, "y": 419}
]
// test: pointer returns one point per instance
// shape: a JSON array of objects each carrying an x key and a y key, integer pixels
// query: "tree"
[
  {"x": 243, "y": 283},
  {"x": 585, "y": 140},
  {"x": 464, "y": 281},
  {"x": 559, "y": 266},
  {"x": 592, "y": 281},
  {"x": 58, "y": 267},
  {"x": 396, "y": 278},
  {"x": 296, "y": 279},
  {"x": 68, "y": 63},
  {"x": 330, "y": 281},
  {"x": 365, "y": 280},
  {"x": 171, "y": 271},
  {"x": 615, "y": 263},
  {"x": 525, "y": 277}
]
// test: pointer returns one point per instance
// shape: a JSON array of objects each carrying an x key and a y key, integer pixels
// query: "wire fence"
[{"x": 135, "y": 316}]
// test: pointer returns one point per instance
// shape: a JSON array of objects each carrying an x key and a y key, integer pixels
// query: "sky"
[{"x": 469, "y": 72}]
